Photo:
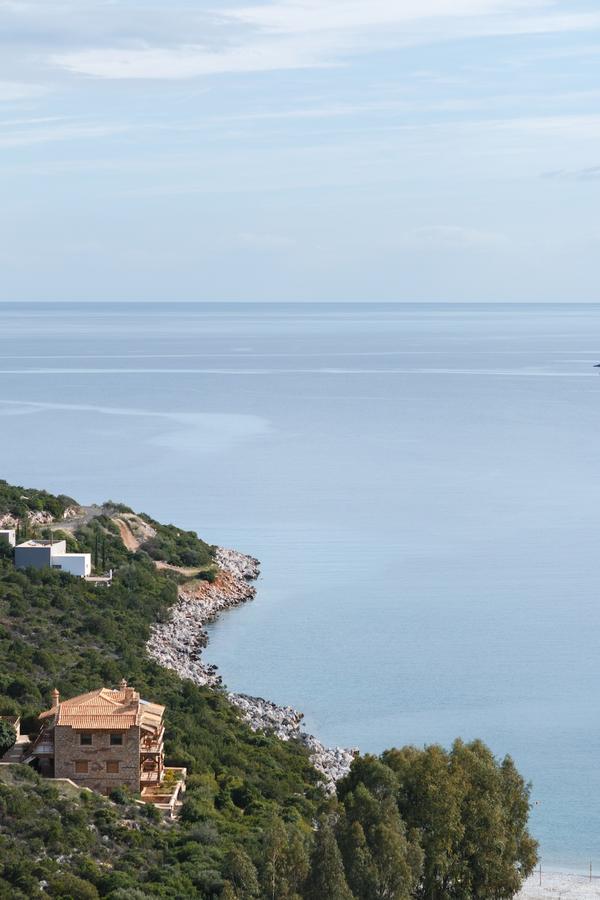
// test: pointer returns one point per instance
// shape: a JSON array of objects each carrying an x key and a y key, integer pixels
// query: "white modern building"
[
  {"x": 52, "y": 554},
  {"x": 8, "y": 536}
]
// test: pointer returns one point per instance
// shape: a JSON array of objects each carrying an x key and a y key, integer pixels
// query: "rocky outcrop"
[
  {"x": 40, "y": 518},
  {"x": 178, "y": 644},
  {"x": 140, "y": 529},
  {"x": 237, "y": 564},
  {"x": 73, "y": 512},
  {"x": 34, "y": 517}
]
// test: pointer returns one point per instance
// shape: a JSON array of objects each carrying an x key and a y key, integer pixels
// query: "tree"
[
  {"x": 471, "y": 814},
  {"x": 296, "y": 862},
  {"x": 430, "y": 799},
  {"x": 326, "y": 877},
  {"x": 379, "y": 779},
  {"x": 8, "y": 736},
  {"x": 496, "y": 851},
  {"x": 240, "y": 872},
  {"x": 6, "y": 550},
  {"x": 358, "y": 862},
  {"x": 382, "y": 862},
  {"x": 286, "y": 861}
]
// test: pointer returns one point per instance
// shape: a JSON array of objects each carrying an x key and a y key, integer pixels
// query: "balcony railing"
[
  {"x": 151, "y": 749},
  {"x": 43, "y": 744}
]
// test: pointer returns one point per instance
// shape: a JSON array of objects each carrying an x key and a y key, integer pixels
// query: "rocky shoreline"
[{"x": 178, "y": 644}]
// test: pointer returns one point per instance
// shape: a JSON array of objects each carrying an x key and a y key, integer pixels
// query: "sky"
[{"x": 300, "y": 150}]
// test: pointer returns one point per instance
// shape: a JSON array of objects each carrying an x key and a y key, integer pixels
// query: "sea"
[{"x": 421, "y": 483}]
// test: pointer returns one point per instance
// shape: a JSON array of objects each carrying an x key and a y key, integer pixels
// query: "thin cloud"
[
  {"x": 301, "y": 16},
  {"x": 412, "y": 22},
  {"x": 52, "y": 134},
  {"x": 569, "y": 126},
  {"x": 297, "y": 34},
  {"x": 189, "y": 61},
  {"x": 11, "y": 91},
  {"x": 590, "y": 173},
  {"x": 454, "y": 237}
]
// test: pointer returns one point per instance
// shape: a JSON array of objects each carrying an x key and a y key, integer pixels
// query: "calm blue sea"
[{"x": 421, "y": 483}]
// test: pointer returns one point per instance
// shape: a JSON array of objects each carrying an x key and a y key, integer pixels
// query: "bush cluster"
[
  {"x": 18, "y": 501},
  {"x": 176, "y": 547}
]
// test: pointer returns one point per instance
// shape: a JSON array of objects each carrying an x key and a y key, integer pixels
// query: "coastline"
[
  {"x": 557, "y": 884},
  {"x": 179, "y": 642}
]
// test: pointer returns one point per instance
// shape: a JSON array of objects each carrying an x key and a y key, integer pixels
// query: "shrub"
[
  {"x": 70, "y": 887},
  {"x": 8, "y": 736}
]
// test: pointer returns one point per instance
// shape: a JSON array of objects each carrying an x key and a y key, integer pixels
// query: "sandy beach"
[{"x": 556, "y": 885}]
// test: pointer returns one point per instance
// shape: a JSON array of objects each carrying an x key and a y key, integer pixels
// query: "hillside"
[{"x": 255, "y": 822}]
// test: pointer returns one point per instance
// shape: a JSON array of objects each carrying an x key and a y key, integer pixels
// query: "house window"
[
  {"x": 112, "y": 767},
  {"x": 85, "y": 740},
  {"x": 81, "y": 767},
  {"x": 116, "y": 740}
]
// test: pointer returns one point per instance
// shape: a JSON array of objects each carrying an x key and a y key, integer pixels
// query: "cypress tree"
[{"x": 326, "y": 877}]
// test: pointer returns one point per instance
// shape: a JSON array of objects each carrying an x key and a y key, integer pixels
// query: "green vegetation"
[
  {"x": 176, "y": 547},
  {"x": 101, "y": 537},
  {"x": 462, "y": 813},
  {"x": 18, "y": 501},
  {"x": 8, "y": 736},
  {"x": 411, "y": 825}
]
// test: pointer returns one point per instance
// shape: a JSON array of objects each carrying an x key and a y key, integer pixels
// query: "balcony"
[
  {"x": 152, "y": 746},
  {"x": 154, "y": 749}
]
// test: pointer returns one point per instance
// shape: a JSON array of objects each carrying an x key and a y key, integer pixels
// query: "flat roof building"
[
  {"x": 53, "y": 555},
  {"x": 9, "y": 536}
]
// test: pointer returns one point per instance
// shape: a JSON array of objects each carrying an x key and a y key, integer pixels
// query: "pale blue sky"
[{"x": 300, "y": 150}]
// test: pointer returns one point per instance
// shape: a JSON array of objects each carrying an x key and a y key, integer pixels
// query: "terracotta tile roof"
[
  {"x": 98, "y": 722},
  {"x": 107, "y": 709}
]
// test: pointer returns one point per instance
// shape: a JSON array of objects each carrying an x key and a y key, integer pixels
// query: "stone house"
[{"x": 108, "y": 739}]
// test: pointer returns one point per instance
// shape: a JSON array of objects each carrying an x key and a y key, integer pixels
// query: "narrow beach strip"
[{"x": 556, "y": 885}]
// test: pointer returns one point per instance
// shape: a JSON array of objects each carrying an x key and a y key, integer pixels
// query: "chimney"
[
  {"x": 55, "y": 698},
  {"x": 123, "y": 685}
]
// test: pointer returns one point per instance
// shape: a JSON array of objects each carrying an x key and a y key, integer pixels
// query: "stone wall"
[{"x": 68, "y": 750}]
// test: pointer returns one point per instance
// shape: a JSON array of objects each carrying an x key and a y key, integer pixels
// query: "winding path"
[{"x": 127, "y": 535}]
